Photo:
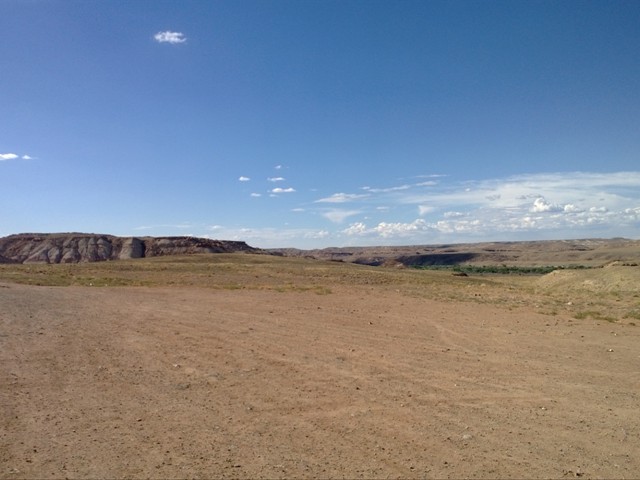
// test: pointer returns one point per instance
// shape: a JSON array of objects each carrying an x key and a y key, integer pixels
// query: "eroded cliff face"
[{"x": 79, "y": 247}]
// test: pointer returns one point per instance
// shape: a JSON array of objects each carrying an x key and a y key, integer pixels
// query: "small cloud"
[
  {"x": 541, "y": 205},
  {"x": 256, "y": 195},
  {"x": 8, "y": 156},
  {"x": 571, "y": 208},
  {"x": 276, "y": 179},
  {"x": 170, "y": 37},
  {"x": 297, "y": 209},
  {"x": 355, "y": 229},
  {"x": 243, "y": 179},
  {"x": 387, "y": 230},
  {"x": 453, "y": 214},
  {"x": 27, "y": 157},
  {"x": 283, "y": 190},
  {"x": 598, "y": 209},
  {"x": 278, "y": 167}
]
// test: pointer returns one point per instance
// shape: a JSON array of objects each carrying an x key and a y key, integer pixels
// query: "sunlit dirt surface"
[{"x": 375, "y": 379}]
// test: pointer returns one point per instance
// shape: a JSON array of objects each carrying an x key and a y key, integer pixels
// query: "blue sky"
[{"x": 321, "y": 123}]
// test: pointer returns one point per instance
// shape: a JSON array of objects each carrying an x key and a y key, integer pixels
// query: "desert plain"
[{"x": 260, "y": 366}]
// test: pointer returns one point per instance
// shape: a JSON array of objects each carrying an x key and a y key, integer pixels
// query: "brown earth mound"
[{"x": 611, "y": 278}]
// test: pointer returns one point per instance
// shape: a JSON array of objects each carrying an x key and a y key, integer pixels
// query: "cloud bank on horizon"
[{"x": 520, "y": 207}]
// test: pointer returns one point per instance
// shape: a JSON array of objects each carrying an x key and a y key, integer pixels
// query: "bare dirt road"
[{"x": 177, "y": 382}]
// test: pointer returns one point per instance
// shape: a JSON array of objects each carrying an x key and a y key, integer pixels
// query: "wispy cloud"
[
  {"x": 342, "y": 198},
  {"x": 339, "y": 216},
  {"x": 276, "y": 179},
  {"x": 170, "y": 37},
  {"x": 399, "y": 188},
  {"x": 244, "y": 179}
]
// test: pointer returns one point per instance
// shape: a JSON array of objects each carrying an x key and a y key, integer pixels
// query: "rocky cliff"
[{"x": 80, "y": 247}]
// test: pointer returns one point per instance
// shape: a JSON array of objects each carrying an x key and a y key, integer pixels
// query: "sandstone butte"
[{"x": 81, "y": 247}]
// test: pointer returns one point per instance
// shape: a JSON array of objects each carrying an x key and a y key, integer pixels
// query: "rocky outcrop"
[{"x": 80, "y": 247}]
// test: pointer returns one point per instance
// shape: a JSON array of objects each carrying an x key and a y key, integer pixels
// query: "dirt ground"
[{"x": 364, "y": 382}]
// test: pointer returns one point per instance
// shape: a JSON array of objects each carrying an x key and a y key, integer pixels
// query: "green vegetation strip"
[{"x": 500, "y": 269}]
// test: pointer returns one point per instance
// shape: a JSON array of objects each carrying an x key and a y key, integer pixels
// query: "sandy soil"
[{"x": 362, "y": 382}]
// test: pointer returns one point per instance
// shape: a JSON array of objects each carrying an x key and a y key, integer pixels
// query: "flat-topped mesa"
[{"x": 82, "y": 247}]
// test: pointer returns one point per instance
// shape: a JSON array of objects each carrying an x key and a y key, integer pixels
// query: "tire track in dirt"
[{"x": 360, "y": 383}]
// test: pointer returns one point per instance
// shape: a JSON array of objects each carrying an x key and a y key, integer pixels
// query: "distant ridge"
[
  {"x": 591, "y": 252},
  {"x": 85, "y": 247}
]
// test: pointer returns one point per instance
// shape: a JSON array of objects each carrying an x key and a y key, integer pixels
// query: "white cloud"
[
  {"x": 356, "y": 229},
  {"x": 8, "y": 156},
  {"x": 170, "y": 37},
  {"x": 256, "y": 195},
  {"x": 276, "y": 179},
  {"x": 401, "y": 229},
  {"x": 387, "y": 230},
  {"x": 27, "y": 157},
  {"x": 571, "y": 208},
  {"x": 244, "y": 179},
  {"x": 541, "y": 205},
  {"x": 278, "y": 167},
  {"x": 283, "y": 190},
  {"x": 341, "y": 198},
  {"x": 452, "y": 214},
  {"x": 339, "y": 216}
]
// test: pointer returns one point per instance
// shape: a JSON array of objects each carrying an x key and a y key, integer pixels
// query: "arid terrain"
[{"x": 259, "y": 366}]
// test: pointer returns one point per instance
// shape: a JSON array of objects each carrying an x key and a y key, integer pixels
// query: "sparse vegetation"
[
  {"x": 570, "y": 291},
  {"x": 583, "y": 315}
]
